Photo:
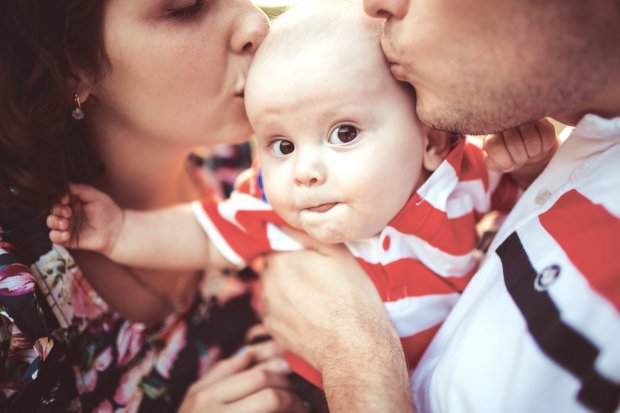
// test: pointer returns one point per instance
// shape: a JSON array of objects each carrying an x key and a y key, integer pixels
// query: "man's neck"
[{"x": 605, "y": 104}]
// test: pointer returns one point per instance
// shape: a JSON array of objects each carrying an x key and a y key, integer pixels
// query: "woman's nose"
[{"x": 251, "y": 29}]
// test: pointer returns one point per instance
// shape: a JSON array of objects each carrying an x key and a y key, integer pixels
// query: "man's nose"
[{"x": 384, "y": 9}]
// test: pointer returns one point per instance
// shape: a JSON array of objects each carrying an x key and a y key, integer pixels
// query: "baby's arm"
[
  {"x": 522, "y": 152},
  {"x": 169, "y": 238}
]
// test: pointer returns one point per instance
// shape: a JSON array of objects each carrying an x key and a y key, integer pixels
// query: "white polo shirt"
[{"x": 538, "y": 327}]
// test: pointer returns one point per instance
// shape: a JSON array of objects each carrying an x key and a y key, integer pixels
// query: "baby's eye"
[
  {"x": 282, "y": 147},
  {"x": 343, "y": 134}
]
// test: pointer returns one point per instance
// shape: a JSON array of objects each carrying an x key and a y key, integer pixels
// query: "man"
[{"x": 538, "y": 328}]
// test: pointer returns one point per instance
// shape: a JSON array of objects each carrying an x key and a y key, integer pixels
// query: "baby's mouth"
[{"x": 322, "y": 207}]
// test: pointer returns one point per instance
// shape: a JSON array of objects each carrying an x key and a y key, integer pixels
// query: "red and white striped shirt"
[
  {"x": 420, "y": 262},
  {"x": 538, "y": 327}
]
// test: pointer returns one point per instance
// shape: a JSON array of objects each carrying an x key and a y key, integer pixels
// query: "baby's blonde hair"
[{"x": 312, "y": 23}]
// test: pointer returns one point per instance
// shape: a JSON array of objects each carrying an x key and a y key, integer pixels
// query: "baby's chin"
[{"x": 330, "y": 237}]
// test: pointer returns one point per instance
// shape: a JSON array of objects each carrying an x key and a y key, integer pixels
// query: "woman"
[{"x": 116, "y": 94}]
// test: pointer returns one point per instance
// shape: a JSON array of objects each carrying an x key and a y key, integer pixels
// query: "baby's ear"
[{"x": 436, "y": 148}]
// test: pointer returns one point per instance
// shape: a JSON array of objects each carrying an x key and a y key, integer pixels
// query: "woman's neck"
[{"x": 142, "y": 173}]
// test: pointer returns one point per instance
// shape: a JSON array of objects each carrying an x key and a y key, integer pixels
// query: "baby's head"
[{"x": 341, "y": 147}]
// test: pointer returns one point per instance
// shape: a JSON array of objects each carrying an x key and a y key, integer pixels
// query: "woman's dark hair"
[{"x": 43, "y": 44}]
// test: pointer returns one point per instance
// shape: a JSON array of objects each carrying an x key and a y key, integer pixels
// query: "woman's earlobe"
[{"x": 436, "y": 148}]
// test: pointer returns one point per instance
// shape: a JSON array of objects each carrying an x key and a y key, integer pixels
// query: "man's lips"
[
  {"x": 322, "y": 207},
  {"x": 398, "y": 71}
]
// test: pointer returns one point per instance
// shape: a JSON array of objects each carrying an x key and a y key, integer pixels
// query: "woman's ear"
[
  {"x": 82, "y": 86},
  {"x": 436, "y": 148}
]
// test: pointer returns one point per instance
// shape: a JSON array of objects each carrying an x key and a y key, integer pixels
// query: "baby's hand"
[
  {"x": 102, "y": 221},
  {"x": 523, "y": 152}
]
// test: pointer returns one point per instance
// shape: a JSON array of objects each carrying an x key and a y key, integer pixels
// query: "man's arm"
[{"x": 324, "y": 307}]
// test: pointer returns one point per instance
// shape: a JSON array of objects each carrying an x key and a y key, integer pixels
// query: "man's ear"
[{"x": 436, "y": 147}]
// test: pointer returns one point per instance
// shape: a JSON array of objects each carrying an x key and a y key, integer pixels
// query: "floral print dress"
[{"x": 63, "y": 350}]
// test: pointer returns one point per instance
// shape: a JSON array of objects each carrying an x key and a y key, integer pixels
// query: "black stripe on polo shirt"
[{"x": 559, "y": 341}]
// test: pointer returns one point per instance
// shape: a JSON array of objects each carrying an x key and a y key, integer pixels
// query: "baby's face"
[{"x": 339, "y": 142}]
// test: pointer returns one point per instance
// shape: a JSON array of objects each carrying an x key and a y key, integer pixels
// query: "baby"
[{"x": 344, "y": 158}]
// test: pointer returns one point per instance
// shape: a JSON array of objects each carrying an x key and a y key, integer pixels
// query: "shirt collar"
[{"x": 595, "y": 127}]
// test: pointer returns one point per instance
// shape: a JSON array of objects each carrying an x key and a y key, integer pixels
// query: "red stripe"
[
  {"x": 415, "y": 345},
  {"x": 473, "y": 167},
  {"x": 505, "y": 196},
  {"x": 247, "y": 244},
  {"x": 456, "y": 236},
  {"x": 459, "y": 283},
  {"x": 410, "y": 278},
  {"x": 304, "y": 369},
  {"x": 589, "y": 235}
]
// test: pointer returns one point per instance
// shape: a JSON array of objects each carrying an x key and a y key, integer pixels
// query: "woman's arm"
[{"x": 323, "y": 306}]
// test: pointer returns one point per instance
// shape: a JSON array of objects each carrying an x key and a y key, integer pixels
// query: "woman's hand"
[
  {"x": 321, "y": 305},
  {"x": 254, "y": 381}
]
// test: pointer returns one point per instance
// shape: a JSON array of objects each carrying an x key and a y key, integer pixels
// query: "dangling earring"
[{"x": 77, "y": 113}]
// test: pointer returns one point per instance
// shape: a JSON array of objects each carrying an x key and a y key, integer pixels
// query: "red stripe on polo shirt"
[
  {"x": 454, "y": 236},
  {"x": 589, "y": 235},
  {"x": 473, "y": 167},
  {"x": 505, "y": 195},
  {"x": 415, "y": 345},
  {"x": 247, "y": 244},
  {"x": 410, "y": 278}
]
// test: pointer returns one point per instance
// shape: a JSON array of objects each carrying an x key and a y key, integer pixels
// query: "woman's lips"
[{"x": 322, "y": 207}]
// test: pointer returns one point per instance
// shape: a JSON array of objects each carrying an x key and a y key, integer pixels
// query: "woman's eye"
[
  {"x": 343, "y": 134},
  {"x": 184, "y": 12},
  {"x": 282, "y": 147}
]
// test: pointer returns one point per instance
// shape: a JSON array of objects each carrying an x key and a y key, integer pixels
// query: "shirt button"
[
  {"x": 386, "y": 243},
  {"x": 542, "y": 197}
]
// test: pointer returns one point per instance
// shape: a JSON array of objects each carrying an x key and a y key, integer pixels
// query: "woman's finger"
[
  {"x": 265, "y": 350},
  {"x": 271, "y": 400},
  {"x": 226, "y": 368},
  {"x": 260, "y": 377}
]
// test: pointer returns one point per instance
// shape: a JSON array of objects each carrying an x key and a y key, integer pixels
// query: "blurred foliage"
[{"x": 273, "y": 12}]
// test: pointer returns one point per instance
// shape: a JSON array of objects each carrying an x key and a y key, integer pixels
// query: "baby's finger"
[
  {"x": 546, "y": 130},
  {"x": 531, "y": 140},
  {"x": 62, "y": 211},
  {"x": 57, "y": 223},
  {"x": 65, "y": 200},
  {"x": 59, "y": 237},
  {"x": 496, "y": 154},
  {"x": 85, "y": 193},
  {"x": 514, "y": 143}
]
